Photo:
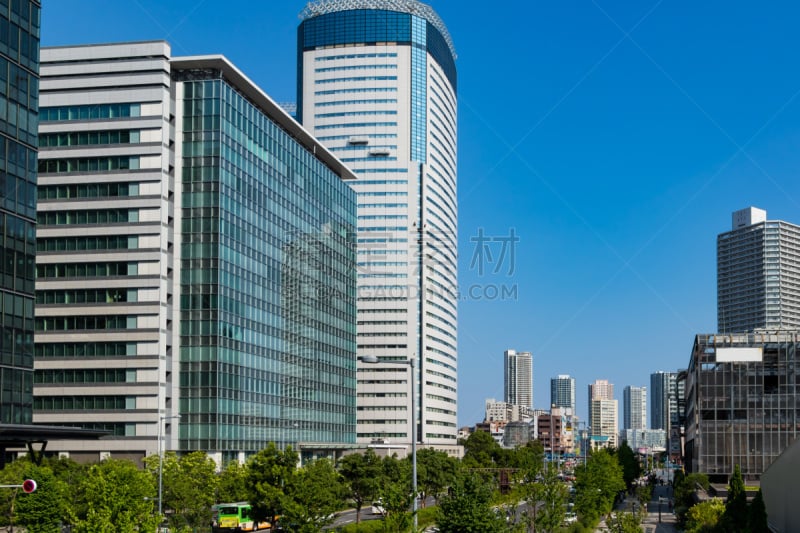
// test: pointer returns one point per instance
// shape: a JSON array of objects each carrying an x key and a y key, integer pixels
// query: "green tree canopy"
[
  {"x": 631, "y": 469},
  {"x": 361, "y": 474},
  {"x": 704, "y": 517},
  {"x": 467, "y": 508},
  {"x": 436, "y": 472},
  {"x": 757, "y": 515},
  {"x": 597, "y": 485},
  {"x": 189, "y": 488},
  {"x": 268, "y": 473},
  {"x": 480, "y": 450},
  {"x": 736, "y": 503},
  {"x": 232, "y": 484},
  {"x": 313, "y": 495},
  {"x": 553, "y": 495},
  {"x": 43, "y": 510},
  {"x": 116, "y": 496}
]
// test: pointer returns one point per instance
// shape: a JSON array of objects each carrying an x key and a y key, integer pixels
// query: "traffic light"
[{"x": 28, "y": 486}]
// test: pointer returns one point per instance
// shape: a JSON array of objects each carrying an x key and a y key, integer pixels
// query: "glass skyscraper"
[
  {"x": 19, "y": 107},
  {"x": 197, "y": 258},
  {"x": 377, "y": 85},
  {"x": 562, "y": 392}
]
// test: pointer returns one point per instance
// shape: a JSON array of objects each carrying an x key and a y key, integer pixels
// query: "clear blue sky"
[{"x": 614, "y": 139}]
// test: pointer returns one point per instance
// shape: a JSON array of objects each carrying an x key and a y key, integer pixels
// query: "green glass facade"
[
  {"x": 268, "y": 280},
  {"x": 19, "y": 107}
]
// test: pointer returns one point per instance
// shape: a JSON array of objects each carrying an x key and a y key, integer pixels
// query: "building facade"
[
  {"x": 518, "y": 378},
  {"x": 19, "y": 102},
  {"x": 195, "y": 260},
  {"x": 377, "y": 85},
  {"x": 758, "y": 281},
  {"x": 604, "y": 421},
  {"x": 742, "y": 402},
  {"x": 562, "y": 392},
  {"x": 634, "y": 403},
  {"x": 663, "y": 399},
  {"x": 601, "y": 389}
]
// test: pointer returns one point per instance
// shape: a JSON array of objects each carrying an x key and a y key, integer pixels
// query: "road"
[{"x": 349, "y": 516}]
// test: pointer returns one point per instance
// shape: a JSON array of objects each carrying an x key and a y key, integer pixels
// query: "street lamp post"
[
  {"x": 161, "y": 420},
  {"x": 371, "y": 359}
]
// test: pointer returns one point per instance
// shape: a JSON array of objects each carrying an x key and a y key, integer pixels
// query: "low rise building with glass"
[
  {"x": 742, "y": 402},
  {"x": 196, "y": 277}
]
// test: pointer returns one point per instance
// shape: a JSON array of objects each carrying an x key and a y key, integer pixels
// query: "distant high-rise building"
[
  {"x": 562, "y": 392},
  {"x": 518, "y": 382},
  {"x": 601, "y": 389},
  {"x": 605, "y": 420},
  {"x": 19, "y": 87},
  {"x": 758, "y": 282},
  {"x": 635, "y": 405},
  {"x": 377, "y": 85},
  {"x": 196, "y": 258},
  {"x": 663, "y": 400}
]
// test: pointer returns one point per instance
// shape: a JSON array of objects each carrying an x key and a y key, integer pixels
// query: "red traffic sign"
[{"x": 28, "y": 486}]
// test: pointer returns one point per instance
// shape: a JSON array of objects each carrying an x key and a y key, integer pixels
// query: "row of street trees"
[{"x": 116, "y": 495}]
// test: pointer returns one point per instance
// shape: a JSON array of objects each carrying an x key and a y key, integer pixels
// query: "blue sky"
[{"x": 613, "y": 139}]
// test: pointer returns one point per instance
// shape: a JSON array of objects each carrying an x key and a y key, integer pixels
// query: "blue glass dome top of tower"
[{"x": 413, "y": 7}]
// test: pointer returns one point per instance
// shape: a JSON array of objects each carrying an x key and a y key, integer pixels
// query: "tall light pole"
[
  {"x": 371, "y": 359},
  {"x": 161, "y": 420}
]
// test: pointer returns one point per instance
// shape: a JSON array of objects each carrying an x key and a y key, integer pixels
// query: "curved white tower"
[{"x": 377, "y": 85}]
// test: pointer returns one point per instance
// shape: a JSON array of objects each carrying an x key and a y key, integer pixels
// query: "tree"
[
  {"x": 622, "y": 522},
  {"x": 395, "y": 494},
  {"x": 736, "y": 504},
  {"x": 631, "y": 469},
  {"x": 597, "y": 485},
  {"x": 232, "y": 484},
  {"x": 361, "y": 473},
  {"x": 116, "y": 496},
  {"x": 268, "y": 473},
  {"x": 554, "y": 495},
  {"x": 313, "y": 495},
  {"x": 436, "y": 472},
  {"x": 704, "y": 517},
  {"x": 467, "y": 508},
  {"x": 480, "y": 450},
  {"x": 189, "y": 487},
  {"x": 41, "y": 511},
  {"x": 757, "y": 515}
]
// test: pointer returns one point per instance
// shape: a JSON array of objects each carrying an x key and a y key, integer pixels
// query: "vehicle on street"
[
  {"x": 377, "y": 507},
  {"x": 234, "y": 517}
]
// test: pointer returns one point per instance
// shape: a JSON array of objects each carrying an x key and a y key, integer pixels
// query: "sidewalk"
[
  {"x": 651, "y": 523},
  {"x": 668, "y": 522}
]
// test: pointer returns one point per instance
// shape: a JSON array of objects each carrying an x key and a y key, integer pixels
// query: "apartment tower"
[
  {"x": 377, "y": 86},
  {"x": 758, "y": 280},
  {"x": 196, "y": 270},
  {"x": 634, "y": 403},
  {"x": 601, "y": 389},
  {"x": 663, "y": 399},
  {"x": 518, "y": 377}
]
